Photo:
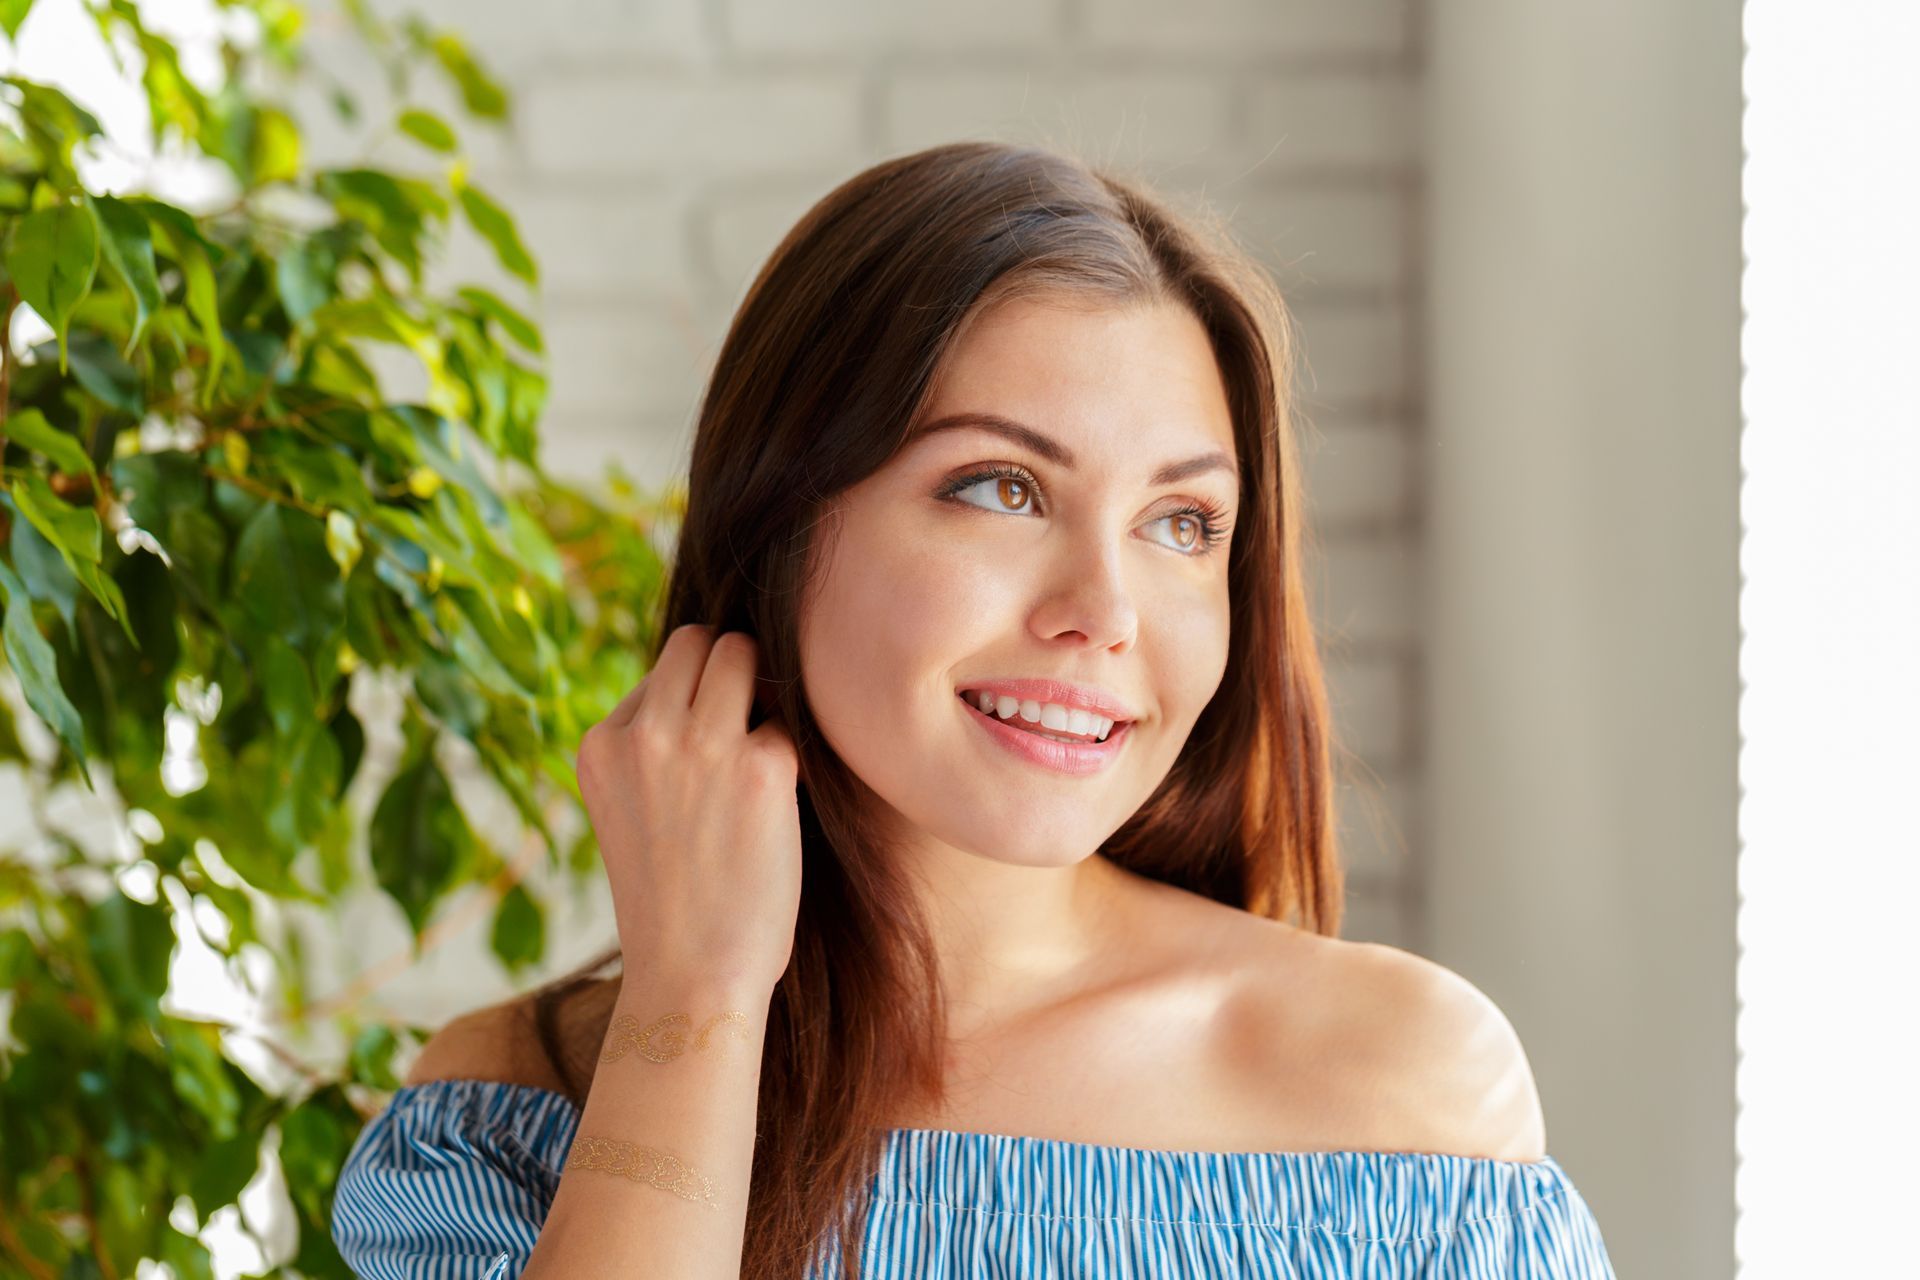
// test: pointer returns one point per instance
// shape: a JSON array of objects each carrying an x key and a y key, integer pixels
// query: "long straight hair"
[{"x": 822, "y": 375}]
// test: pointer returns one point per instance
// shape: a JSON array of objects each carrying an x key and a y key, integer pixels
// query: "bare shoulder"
[
  {"x": 1411, "y": 1055},
  {"x": 1459, "y": 1053},
  {"x": 501, "y": 1043},
  {"x": 497, "y": 1043}
]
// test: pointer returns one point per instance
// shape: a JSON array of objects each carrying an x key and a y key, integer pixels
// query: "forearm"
[{"x": 656, "y": 1181}]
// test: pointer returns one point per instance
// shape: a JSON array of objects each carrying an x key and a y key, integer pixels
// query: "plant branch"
[
  {"x": 17, "y": 1248},
  {"x": 373, "y": 977},
  {"x": 84, "y": 1180}
]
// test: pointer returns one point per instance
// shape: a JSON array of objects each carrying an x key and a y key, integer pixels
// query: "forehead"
[{"x": 1114, "y": 383}]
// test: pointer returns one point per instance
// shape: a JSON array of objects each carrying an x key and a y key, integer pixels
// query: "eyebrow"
[{"x": 1060, "y": 455}]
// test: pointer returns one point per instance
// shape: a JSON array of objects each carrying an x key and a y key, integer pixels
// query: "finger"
[
  {"x": 623, "y": 710},
  {"x": 676, "y": 674},
  {"x": 726, "y": 682}
]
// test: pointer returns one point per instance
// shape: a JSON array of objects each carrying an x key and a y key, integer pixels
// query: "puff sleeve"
[{"x": 451, "y": 1181}]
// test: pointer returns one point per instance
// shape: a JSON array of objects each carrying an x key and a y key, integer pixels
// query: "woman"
[{"x": 987, "y": 624}]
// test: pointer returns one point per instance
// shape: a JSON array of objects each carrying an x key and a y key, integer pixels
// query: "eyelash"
[{"x": 1212, "y": 516}]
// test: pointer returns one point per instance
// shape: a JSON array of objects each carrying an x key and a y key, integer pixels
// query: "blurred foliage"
[{"x": 210, "y": 518}]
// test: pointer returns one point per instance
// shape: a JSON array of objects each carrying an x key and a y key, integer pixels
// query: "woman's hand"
[{"x": 698, "y": 819}]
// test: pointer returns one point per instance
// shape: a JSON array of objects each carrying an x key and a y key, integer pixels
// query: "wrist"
[{"x": 649, "y": 980}]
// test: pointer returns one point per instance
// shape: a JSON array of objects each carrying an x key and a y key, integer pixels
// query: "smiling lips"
[
  {"x": 1082, "y": 757},
  {"x": 1032, "y": 717}
]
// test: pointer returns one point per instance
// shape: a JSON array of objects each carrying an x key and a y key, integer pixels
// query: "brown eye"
[
  {"x": 1015, "y": 489},
  {"x": 1009, "y": 488}
]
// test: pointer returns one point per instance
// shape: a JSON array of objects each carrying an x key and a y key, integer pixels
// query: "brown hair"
[{"x": 822, "y": 375}]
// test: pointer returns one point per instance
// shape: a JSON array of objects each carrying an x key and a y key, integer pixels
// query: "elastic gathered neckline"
[{"x": 1383, "y": 1196}]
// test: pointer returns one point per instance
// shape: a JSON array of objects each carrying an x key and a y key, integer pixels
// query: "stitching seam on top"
[{"x": 1539, "y": 1202}]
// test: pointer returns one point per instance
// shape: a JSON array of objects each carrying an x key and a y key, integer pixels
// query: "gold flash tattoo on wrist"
[
  {"x": 649, "y": 1165},
  {"x": 626, "y": 1033}
]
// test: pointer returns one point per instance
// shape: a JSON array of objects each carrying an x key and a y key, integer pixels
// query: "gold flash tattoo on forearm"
[
  {"x": 662, "y": 1040},
  {"x": 637, "y": 1163}
]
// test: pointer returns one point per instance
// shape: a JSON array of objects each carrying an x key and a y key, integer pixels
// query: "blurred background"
[{"x": 1511, "y": 235}]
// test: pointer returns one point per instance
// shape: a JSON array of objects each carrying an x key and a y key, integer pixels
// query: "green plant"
[{"x": 210, "y": 517}]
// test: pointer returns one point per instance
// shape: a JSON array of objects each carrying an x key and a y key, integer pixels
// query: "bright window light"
[{"x": 1829, "y": 872}]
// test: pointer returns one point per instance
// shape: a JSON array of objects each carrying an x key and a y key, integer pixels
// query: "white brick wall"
[
  {"x": 835, "y": 31},
  {"x": 661, "y": 147}
]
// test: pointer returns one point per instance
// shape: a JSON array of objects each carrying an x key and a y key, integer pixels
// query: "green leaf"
[
  {"x": 98, "y": 367},
  {"x": 288, "y": 687},
  {"x": 284, "y": 580},
  {"x": 30, "y": 427},
  {"x": 44, "y": 571},
  {"x": 352, "y": 739},
  {"x": 450, "y": 694},
  {"x": 428, "y": 129},
  {"x": 186, "y": 1257},
  {"x": 412, "y": 541},
  {"x": 305, "y": 784},
  {"x": 74, "y": 530},
  {"x": 132, "y": 942},
  {"x": 517, "y": 326},
  {"x": 519, "y": 930},
  {"x": 584, "y": 856},
  {"x": 393, "y": 208},
  {"x": 315, "y": 1138},
  {"x": 343, "y": 541},
  {"x": 52, "y": 257},
  {"x": 527, "y": 399},
  {"x": 17, "y": 957},
  {"x": 496, "y": 645},
  {"x": 372, "y": 1057},
  {"x": 154, "y": 484},
  {"x": 222, "y": 1171},
  {"x": 197, "y": 541},
  {"x": 11, "y": 748},
  {"x": 120, "y": 1198},
  {"x": 304, "y": 276},
  {"x": 419, "y": 838},
  {"x": 496, "y": 226},
  {"x": 273, "y": 146},
  {"x": 442, "y": 448},
  {"x": 191, "y": 250},
  {"x": 129, "y": 245},
  {"x": 54, "y": 124},
  {"x": 34, "y": 664},
  {"x": 481, "y": 94},
  {"x": 200, "y": 1074},
  {"x": 323, "y": 475},
  {"x": 153, "y": 610},
  {"x": 533, "y": 546},
  {"x": 75, "y": 533},
  {"x": 12, "y": 14}
]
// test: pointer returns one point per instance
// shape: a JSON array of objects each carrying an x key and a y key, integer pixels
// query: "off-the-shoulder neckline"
[{"x": 965, "y": 1136}]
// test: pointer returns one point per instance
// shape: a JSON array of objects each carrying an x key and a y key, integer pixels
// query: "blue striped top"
[{"x": 452, "y": 1180}]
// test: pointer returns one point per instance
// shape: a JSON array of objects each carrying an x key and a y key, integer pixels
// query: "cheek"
[
  {"x": 891, "y": 594},
  {"x": 889, "y": 616},
  {"x": 1189, "y": 639}
]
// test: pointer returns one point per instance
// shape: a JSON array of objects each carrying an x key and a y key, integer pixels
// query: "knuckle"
[
  {"x": 652, "y": 736},
  {"x": 739, "y": 642},
  {"x": 777, "y": 763}
]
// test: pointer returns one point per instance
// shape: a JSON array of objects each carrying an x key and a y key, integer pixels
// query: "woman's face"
[{"x": 1089, "y": 573}]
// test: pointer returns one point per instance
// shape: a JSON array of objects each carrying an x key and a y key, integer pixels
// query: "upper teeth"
[{"x": 1048, "y": 715}]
